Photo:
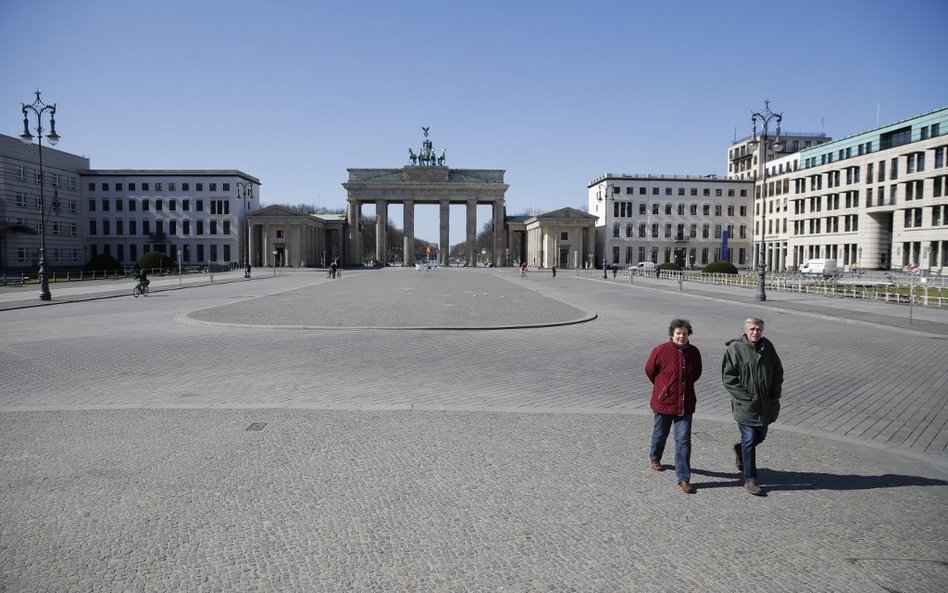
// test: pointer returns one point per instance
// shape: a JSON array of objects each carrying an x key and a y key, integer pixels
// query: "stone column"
[
  {"x": 381, "y": 225},
  {"x": 408, "y": 249},
  {"x": 354, "y": 239},
  {"x": 471, "y": 232},
  {"x": 445, "y": 232},
  {"x": 498, "y": 231}
]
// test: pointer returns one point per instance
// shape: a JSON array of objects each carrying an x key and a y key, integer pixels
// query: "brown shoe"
[
  {"x": 657, "y": 465},
  {"x": 686, "y": 487}
]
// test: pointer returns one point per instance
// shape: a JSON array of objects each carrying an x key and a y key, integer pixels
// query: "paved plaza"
[{"x": 456, "y": 430}]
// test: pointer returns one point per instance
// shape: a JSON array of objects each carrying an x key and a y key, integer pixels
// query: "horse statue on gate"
[{"x": 412, "y": 157}]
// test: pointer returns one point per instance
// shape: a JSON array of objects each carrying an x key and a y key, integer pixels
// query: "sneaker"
[
  {"x": 753, "y": 487},
  {"x": 656, "y": 464},
  {"x": 738, "y": 457}
]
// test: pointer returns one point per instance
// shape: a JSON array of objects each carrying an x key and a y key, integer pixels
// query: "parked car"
[{"x": 644, "y": 266}]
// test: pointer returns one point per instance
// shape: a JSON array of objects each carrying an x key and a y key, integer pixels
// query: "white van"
[
  {"x": 821, "y": 267},
  {"x": 644, "y": 266}
]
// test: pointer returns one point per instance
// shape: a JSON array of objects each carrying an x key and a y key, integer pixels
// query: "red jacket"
[{"x": 673, "y": 374}]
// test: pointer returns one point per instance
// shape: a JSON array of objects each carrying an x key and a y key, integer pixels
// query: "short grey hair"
[{"x": 754, "y": 321}]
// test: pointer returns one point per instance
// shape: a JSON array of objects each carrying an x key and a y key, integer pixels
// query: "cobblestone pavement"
[{"x": 457, "y": 460}]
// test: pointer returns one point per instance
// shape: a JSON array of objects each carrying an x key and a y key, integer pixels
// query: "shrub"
[
  {"x": 669, "y": 266},
  {"x": 154, "y": 260},
  {"x": 720, "y": 267},
  {"x": 102, "y": 263}
]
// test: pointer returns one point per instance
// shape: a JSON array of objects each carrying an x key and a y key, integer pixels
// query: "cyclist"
[
  {"x": 523, "y": 269},
  {"x": 142, "y": 278}
]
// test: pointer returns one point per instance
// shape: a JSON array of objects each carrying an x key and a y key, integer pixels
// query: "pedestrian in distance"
[
  {"x": 333, "y": 268},
  {"x": 673, "y": 368},
  {"x": 753, "y": 375},
  {"x": 554, "y": 271},
  {"x": 247, "y": 270},
  {"x": 523, "y": 269},
  {"x": 615, "y": 270}
]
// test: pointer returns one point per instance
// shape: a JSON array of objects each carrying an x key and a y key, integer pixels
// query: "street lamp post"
[
  {"x": 39, "y": 108},
  {"x": 605, "y": 229},
  {"x": 245, "y": 194},
  {"x": 765, "y": 118}
]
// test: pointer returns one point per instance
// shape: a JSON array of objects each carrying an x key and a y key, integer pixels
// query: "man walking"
[{"x": 753, "y": 374}]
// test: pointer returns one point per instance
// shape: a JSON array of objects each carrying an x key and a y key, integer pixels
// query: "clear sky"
[{"x": 555, "y": 93}]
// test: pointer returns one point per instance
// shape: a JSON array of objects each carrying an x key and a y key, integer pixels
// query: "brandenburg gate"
[{"x": 425, "y": 180}]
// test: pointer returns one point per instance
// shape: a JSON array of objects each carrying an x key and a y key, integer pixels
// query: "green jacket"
[{"x": 753, "y": 375}]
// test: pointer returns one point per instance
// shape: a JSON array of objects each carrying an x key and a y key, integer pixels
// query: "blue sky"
[{"x": 555, "y": 93}]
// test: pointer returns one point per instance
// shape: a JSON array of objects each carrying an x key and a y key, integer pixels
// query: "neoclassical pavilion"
[
  {"x": 565, "y": 238},
  {"x": 285, "y": 237},
  {"x": 425, "y": 180}
]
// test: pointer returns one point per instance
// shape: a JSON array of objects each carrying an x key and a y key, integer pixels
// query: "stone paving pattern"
[{"x": 451, "y": 459}]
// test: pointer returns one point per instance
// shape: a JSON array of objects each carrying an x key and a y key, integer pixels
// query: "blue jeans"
[
  {"x": 663, "y": 425},
  {"x": 751, "y": 436}
]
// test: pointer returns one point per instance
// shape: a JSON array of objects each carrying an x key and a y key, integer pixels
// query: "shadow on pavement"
[{"x": 775, "y": 480}]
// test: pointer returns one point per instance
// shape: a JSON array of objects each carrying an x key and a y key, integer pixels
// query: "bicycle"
[{"x": 141, "y": 289}]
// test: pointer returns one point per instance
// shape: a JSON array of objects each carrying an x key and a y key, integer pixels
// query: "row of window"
[
  {"x": 678, "y": 235},
  {"x": 913, "y": 216},
  {"x": 899, "y": 137},
  {"x": 681, "y": 256},
  {"x": 914, "y": 163},
  {"x": 158, "y": 186},
  {"x": 23, "y": 200},
  {"x": 706, "y": 192},
  {"x": 56, "y": 255},
  {"x": 622, "y": 209},
  {"x": 22, "y": 173},
  {"x": 217, "y": 206},
  {"x": 104, "y": 227},
  {"x": 62, "y": 229},
  {"x": 187, "y": 253}
]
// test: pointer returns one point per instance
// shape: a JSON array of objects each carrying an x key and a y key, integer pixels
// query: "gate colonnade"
[{"x": 412, "y": 185}]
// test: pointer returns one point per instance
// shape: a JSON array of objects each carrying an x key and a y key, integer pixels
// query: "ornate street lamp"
[
  {"x": 245, "y": 195},
  {"x": 39, "y": 108},
  {"x": 765, "y": 117},
  {"x": 604, "y": 198}
]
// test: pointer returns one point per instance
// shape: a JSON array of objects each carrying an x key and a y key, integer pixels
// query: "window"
[
  {"x": 654, "y": 208},
  {"x": 92, "y": 227},
  {"x": 705, "y": 231},
  {"x": 668, "y": 209},
  {"x": 641, "y": 229},
  {"x": 693, "y": 209},
  {"x": 146, "y": 227},
  {"x": 131, "y": 187},
  {"x": 145, "y": 205},
  {"x": 186, "y": 227},
  {"x": 743, "y": 211},
  {"x": 185, "y": 205},
  {"x": 213, "y": 227},
  {"x": 212, "y": 187},
  {"x": 118, "y": 204},
  {"x": 668, "y": 231},
  {"x": 706, "y": 209},
  {"x": 198, "y": 187},
  {"x": 642, "y": 208},
  {"x": 681, "y": 209},
  {"x": 91, "y": 205},
  {"x": 132, "y": 227},
  {"x": 939, "y": 157},
  {"x": 199, "y": 206},
  {"x": 105, "y": 204},
  {"x": 172, "y": 204},
  {"x": 105, "y": 227},
  {"x": 226, "y": 187},
  {"x": 172, "y": 227},
  {"x": 131, "y": 205},
  {"x": 200, "y": 227},
  {"x": 717, "y": 192},
  {"x": 654, "y": 191},
  {"x": 894, "y": 168},
  {"x": 158, "y": 204},
  {"x": 119, "y": 227},
  {"x": 895, "y": 138},
  {"x": 158, "y": 186},
  {"x": 172, "y": 186}
]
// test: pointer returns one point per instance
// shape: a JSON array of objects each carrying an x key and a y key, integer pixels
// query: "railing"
[
  {"x": 931, "y": 291},
  {"x": 24, "y": 279}
]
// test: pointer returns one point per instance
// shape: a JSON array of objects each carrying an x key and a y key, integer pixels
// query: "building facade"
[
  {"x": 200, "y": 213},
  {"x": 687, "y": 220},
  {"x": 20, "y": 219},
  {"x": 873, "y": 200}
]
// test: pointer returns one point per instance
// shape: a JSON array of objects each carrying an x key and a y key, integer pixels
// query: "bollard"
[
  {"x": 212, "y": 278},
  {"x": 680, "y": 277}
]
